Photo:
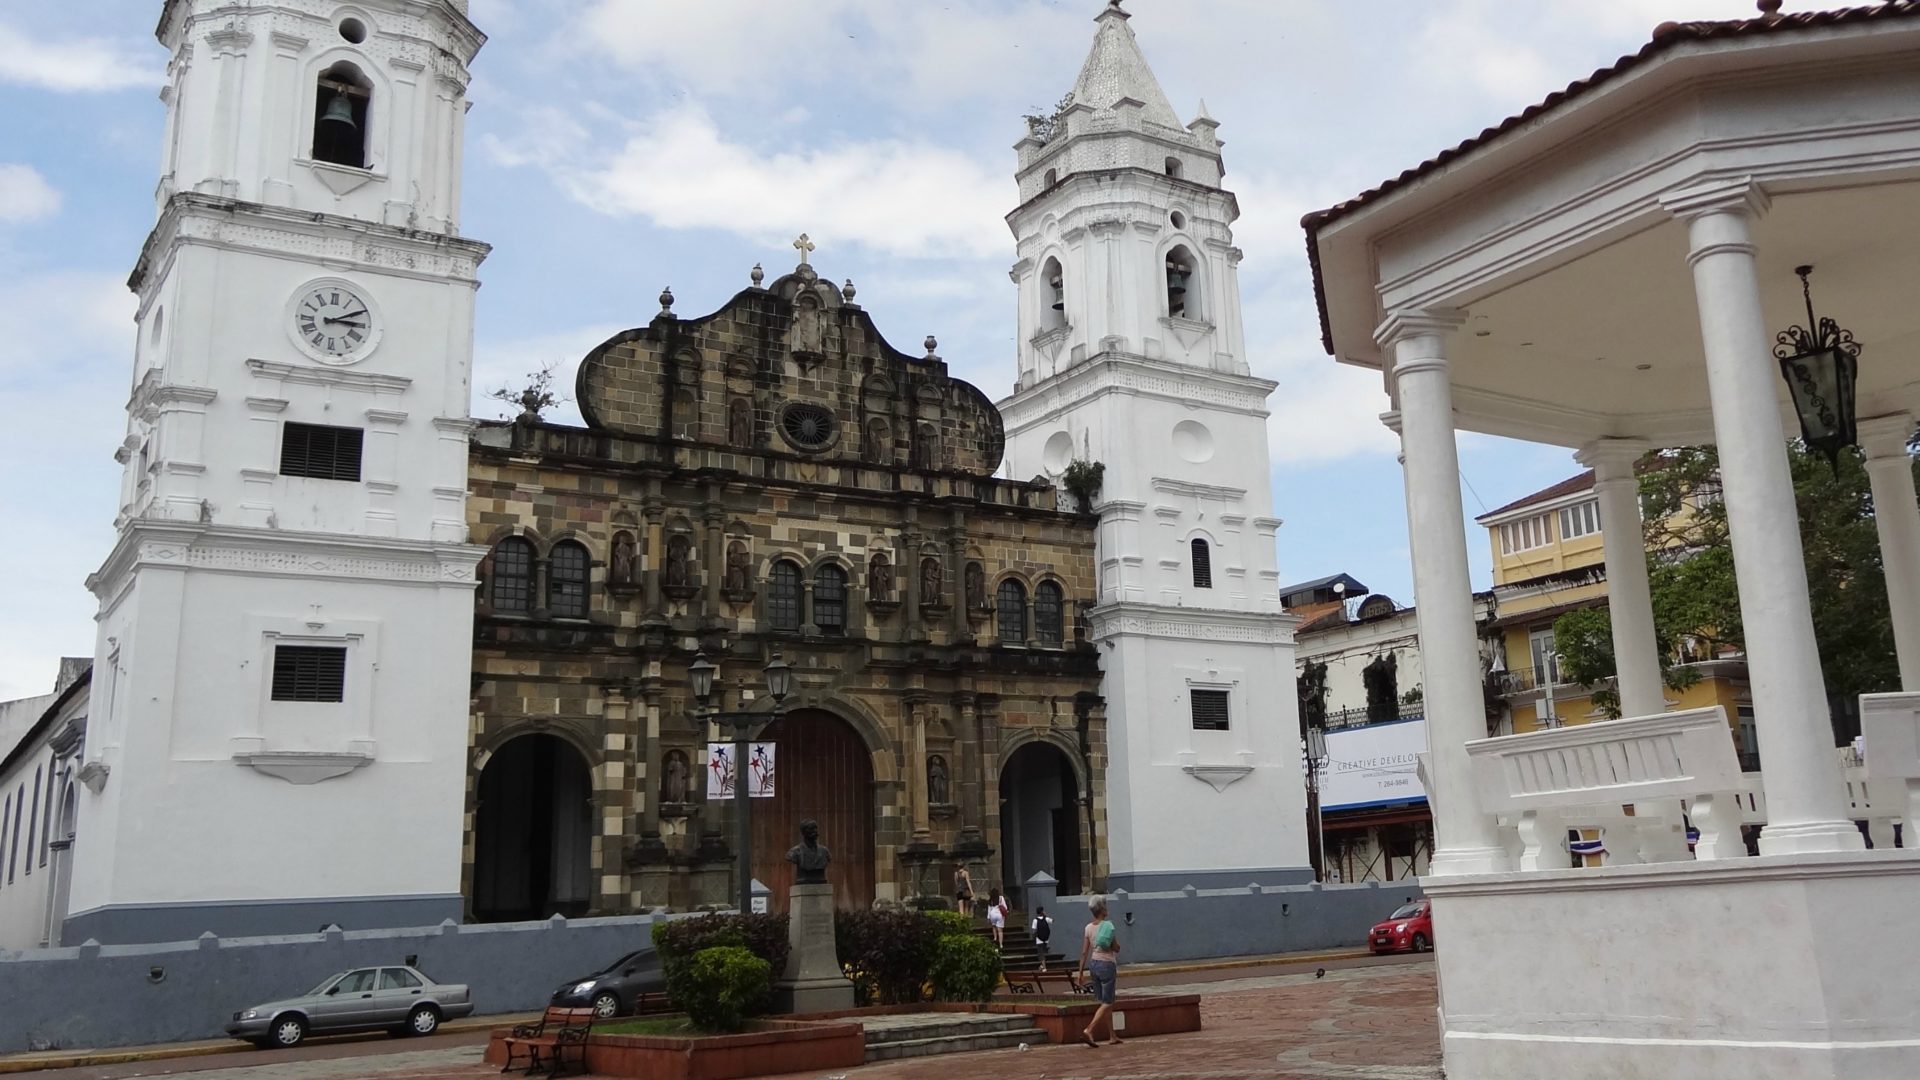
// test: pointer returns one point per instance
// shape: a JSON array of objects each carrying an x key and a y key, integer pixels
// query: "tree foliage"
[{"x": 1696, "y": 600}]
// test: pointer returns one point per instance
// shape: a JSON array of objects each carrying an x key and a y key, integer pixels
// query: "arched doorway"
[
  {"x": 533, "y": 830},
  {"x": 1039, "y": 818},
  {"x": 823, "y": 771},
  {"x": 57, "y": 895}
]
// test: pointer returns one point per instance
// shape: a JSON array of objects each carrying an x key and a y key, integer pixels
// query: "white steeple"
[
  {"x": 1132, "y": 354},
  {"x": 286, "y": 613}
]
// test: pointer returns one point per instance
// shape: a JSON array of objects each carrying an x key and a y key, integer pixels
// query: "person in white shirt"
[{"x": 1042, "y": 933}]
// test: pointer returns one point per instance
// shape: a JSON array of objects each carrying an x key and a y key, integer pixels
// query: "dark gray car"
[{"x": 396, "y": 999}]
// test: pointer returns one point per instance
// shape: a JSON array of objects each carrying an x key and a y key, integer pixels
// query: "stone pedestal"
[{"x": 813, "y": 981}]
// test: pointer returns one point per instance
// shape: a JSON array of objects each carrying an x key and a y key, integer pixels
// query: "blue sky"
[{"x": 616, "y": 146}]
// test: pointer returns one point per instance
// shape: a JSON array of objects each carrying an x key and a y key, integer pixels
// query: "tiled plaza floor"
[{"x": 1359, "y": 1024}]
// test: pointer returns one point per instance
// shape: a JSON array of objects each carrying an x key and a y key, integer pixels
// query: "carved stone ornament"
[
  {"x": 738, "y": 584},
  {"x": 623, "y": 568}
]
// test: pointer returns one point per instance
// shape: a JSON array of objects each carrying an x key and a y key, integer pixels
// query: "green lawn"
[{"x": 647, "y": 1025}]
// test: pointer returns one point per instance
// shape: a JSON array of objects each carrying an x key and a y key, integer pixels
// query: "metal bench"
[{"x": 557, "y": 1041}]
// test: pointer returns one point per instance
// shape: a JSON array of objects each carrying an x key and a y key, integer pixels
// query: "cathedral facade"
[{"x": 775, "y": 479}]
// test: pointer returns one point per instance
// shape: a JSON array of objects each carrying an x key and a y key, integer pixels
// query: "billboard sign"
[{"x": 1374, "y": 766}]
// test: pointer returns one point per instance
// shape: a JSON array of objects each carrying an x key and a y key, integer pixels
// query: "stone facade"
[{"x": 777, "y": 478}]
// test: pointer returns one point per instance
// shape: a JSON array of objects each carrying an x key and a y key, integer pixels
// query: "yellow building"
[{"x": 1547, "y": 561}]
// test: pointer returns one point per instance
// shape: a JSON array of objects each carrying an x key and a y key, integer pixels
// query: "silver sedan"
[{"x": 395, "y": 999}]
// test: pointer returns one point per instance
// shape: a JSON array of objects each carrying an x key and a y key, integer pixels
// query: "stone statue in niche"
[
  {"x": 976, "y": 586},
  {"x": 676, "y": 775},
  {"x": 809, "y": 857},
  {"x": 937, "y": 791},
  {"x": 808, "y": 335},
  {"x": 739, "y": 581},
  {"x": 624, "y": 569},
  {"x": 740, "y": 423},
  {"x": 879, "y": 577},
  {"x": 680, "y": 561},
  {"x": 932, "y": 581}
]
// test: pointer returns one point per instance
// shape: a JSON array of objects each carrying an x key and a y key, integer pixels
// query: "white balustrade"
[
  {"x": 1890, "y": 740},
  {"x": 1590, "y": 771}
]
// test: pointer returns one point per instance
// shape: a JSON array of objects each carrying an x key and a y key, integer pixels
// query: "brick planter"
[
  {"x": 1168, "y": 1014},
  {"x": 767, "y": 1048}
]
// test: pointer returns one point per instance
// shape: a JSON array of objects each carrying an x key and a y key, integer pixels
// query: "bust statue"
[{"x": 809, "y": 857}]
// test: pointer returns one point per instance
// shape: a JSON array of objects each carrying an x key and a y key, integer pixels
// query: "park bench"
[
  {"x": 652, "y": 1003},
  {"x": 558, "y": 1041},
  {"x": 1037, "y": 982}
]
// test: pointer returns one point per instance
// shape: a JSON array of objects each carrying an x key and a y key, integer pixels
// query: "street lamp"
[
  {"x": 1316, "y": 761},
  {"x": 1820, "y": 362},
  {"x": 779, "y": 677}
]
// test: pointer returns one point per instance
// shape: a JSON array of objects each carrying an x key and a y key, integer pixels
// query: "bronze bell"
[{"x": 337, "y": 120}]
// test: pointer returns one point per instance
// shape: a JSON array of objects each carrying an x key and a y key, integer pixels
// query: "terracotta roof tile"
[{"x": 1665, "y": 36}]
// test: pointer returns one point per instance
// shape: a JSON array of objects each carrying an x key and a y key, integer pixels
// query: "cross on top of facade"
[{"x": 804, "y": 246}]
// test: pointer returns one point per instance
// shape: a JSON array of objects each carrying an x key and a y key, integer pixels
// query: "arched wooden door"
[{"x": 823, "y": 771}]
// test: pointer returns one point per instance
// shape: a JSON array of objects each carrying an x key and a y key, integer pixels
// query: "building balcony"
[{"x": 1361, "y": 717}]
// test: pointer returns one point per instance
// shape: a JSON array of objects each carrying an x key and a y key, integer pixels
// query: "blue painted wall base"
[{"x": 1203, "y": 924}]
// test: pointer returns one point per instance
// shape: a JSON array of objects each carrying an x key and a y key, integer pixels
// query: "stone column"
[
  {"x": 656, "y": 562},
  {"x": 959, "y": 629},
  {"x": 621, "y": 779},
  {"x": 1467, "y": 841},
  {"x": 917, "y": 705},
  {"x": 1629, "y": 597},
  {"x": 968, "y": 771},
  {"x": 715, "y": 556},
  {"x": 1806, "y": 798},
  {"x": 1896, "y": 512}
]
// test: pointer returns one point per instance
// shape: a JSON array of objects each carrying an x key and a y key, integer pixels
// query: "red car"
[{"x": 1409, "y": 929}]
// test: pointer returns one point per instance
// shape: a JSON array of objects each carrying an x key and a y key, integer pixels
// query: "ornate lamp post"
[
  {"x": 742, "y": 724},
  {"x": 1820, "y": 362}
]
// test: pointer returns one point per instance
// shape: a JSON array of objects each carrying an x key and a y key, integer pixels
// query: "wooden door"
[{"x": 822, "y": 771}]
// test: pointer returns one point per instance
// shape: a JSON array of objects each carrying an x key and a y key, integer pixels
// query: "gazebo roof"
[{"x": 1667, "y": 37}]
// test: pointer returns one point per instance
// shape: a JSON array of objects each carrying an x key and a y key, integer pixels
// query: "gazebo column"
[
  {"x": 1806, "y": 796},
  {"x": 1467, "y": 841},
  {"x": 1636, "y": 649},
  {"x": 1896, "y": 512},
  {"x": 1636, "y": 646}
]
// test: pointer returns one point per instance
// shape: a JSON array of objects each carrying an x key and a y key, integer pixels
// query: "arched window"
[
  {"x": 1013, "y": 613},
  {"x": 511, "y": 585},
  {"x": 1053, "y": 310},
  {"x": 567, "y": 581},
  {"x": 33, "y": 820},
  {"x": 878, "y": 447},
  {"x": 1181, "y": 300},
  {"x": 342, "y": 108},
  {"x": 13, "y": 847},
  {"x": 830, "y": 600},
  {"x": 783, "y": 596},
  {"x": 1173, "y": 167},
  {"x": 1202, "y": 564},
  {"x": 1049, "y": 624},
  {"x": 1053, "y": 177}
]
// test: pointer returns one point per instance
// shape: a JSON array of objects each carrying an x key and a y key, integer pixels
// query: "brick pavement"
[{"x": 1361, "y": 1024}]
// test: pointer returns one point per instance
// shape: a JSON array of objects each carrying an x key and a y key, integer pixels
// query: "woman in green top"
[{"x": 1100, "y": 960}]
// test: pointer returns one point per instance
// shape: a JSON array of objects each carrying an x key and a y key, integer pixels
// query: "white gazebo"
[{"x": 1608, "y": 271}]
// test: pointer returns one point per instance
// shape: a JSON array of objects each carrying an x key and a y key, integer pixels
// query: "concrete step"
[
  {"x": 910, "y": 1027},
  {"x": 955, "y": 1044}
]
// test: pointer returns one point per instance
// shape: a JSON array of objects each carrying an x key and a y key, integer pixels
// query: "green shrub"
[
  {"x": 886, "y": 953},
  {"x": 720, "y": 987},
  {"x": 951, "y": 922},
  {"x": 765, "y": 936},
  {"x": 965, "y": 968}
]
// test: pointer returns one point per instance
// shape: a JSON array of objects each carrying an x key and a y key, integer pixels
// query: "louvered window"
[
  {"x": 1209, "y": 710},
  {"x": 510, "y": 583},
  {"x": 830, "y": 600},
  {"x": 1049, "y": 624},
  {"x": 783, "y": 596},
  {"x": 324, "y": 453},
  {"x": 567, "y": 581},
  {"x": 1202, "y": 565},
  {"x": 309, "y": 673},
  {"x": 1013, "y": 613}
]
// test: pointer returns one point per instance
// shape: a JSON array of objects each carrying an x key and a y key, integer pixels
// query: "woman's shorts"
[{"x": 1105, "y": 973}]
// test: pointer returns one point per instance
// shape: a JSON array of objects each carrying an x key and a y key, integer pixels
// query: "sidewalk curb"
[
  {"x": 76, "y": 1059},
  {"x": 80, "y": 1059}
]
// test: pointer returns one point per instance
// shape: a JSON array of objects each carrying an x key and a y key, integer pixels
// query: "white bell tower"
[
  {"x": 1132, "y": 355},
  {"x": 278, "y": 731}
]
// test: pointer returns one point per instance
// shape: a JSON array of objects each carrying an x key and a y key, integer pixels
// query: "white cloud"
[
  {"x": 25, "y": 195},
  {"x": 677, "y": 170},
  {"x": 76, "y": 65},
  {"x": 507, "y": 363},
  {"x": 50, "y": 321}
]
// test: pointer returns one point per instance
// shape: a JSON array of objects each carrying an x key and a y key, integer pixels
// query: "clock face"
[{"x": 333, "y": 321}]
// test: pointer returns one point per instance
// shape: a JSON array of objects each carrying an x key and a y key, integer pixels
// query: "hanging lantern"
[{"x": 1820, "y": 362}]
